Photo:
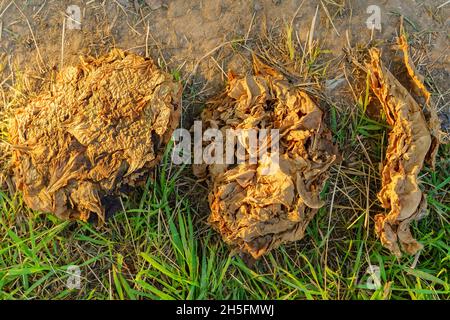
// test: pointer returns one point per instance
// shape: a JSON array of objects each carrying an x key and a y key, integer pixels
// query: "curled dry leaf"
[
  {"x": 409, "y": 143},
  {"x": 417, "y": 80},
  {"x": 96, "y": 133},
  {"x": 258, "y": 205}
]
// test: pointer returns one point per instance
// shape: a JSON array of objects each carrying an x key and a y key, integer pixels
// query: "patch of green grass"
[{"x": 154, "y": 250}]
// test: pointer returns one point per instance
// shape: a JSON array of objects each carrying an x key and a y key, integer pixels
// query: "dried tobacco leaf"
[
  {"x": 252, "y": 210},
  {"x": 409, "y": 143},
  {"x": 96, "y": 133},
  {"x": 417, "y": 81}
]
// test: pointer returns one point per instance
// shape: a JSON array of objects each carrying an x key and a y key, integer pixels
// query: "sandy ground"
[{"x": 184, "y": 33}]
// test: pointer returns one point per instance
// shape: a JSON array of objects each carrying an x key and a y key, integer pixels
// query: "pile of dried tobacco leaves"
[
  {"x": 96, "y": 133},
  {"x": 258, "y": 206},
  {"x": 412, "y": 140}
]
